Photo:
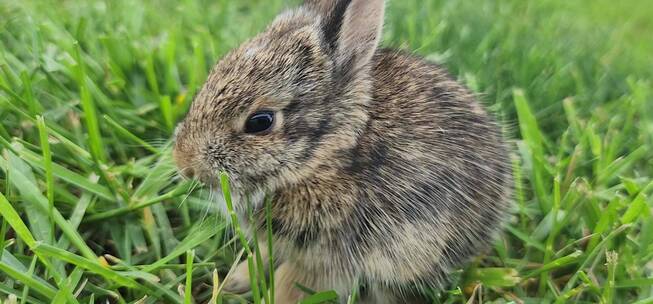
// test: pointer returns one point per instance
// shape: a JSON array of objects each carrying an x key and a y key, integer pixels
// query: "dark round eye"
[{"x": 259, "y": 122}]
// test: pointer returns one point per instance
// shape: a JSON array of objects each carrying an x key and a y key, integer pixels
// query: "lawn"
[{"x": 93, "y": 211}]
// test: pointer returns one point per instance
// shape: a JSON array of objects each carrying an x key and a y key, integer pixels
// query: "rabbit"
[{"x": 381, "y": 169}]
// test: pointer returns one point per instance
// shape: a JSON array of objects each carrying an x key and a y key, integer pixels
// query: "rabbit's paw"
[{"x": 238, "y": 282}]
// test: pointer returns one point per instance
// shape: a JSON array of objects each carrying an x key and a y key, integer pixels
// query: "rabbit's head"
[{"x": 281, "y": 107}]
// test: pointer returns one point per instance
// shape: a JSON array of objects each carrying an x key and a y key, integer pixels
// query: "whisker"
[{"x": 194, "y": 185}]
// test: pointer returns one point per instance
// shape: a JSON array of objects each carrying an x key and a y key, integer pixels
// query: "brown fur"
[{"x": 382, "y": 169}]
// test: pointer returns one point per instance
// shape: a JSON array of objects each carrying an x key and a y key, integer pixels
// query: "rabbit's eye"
[{"x": 259, "y": 122}]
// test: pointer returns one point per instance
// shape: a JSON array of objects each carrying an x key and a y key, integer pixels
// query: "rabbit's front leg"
[
  {"x": 286, "y": 276},
  {"x": 289, "y": 275},
  {"x": 239, "y": 282},
  {"x": 379, "y": 294}
]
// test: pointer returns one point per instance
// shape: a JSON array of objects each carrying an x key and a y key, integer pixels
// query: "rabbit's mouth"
[
  {"x": 254, "y": 199},
  {"x": 205, "y": 177}
]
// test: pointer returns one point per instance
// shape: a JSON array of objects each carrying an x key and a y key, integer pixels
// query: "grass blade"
[
  {"x": 535, "y": 144},
  {"x": 188, "y": 291},
  {"x": 90, "y": 116},
  {"x": 11, "y": 216},
  {"x": 28, "y": 280},
  {"x": 90, "y": 265},
  {"x": 129, "y": 135},
  {"x": 31, "y": 193},
  {"x": 199, "y": 234},
  {"x": 321, "y": 297},
  {"x": 47, "y": 165},
  {"x": 66, "y": 174}
]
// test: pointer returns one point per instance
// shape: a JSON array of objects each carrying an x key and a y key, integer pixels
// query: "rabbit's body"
[
  {"x": 382, "y": 170},
  {"x": 424, "y": 188}
]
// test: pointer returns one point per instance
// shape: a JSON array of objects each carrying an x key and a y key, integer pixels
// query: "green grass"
[{"x": 90, "y": 92}]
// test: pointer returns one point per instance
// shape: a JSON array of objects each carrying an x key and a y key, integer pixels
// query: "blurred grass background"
[{"x": 90, "y": 92}]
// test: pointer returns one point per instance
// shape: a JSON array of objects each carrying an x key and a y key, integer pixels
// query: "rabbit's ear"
[{"x": 351, "y": 29}]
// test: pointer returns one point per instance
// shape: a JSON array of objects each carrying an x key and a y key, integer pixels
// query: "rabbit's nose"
[{"x": 183, "y": 159}]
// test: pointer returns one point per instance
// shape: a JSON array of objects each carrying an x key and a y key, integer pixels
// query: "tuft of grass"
[{"x": 92, "y": 210}]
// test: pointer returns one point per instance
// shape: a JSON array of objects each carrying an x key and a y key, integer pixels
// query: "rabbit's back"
[{"x": 425, "y": 188}]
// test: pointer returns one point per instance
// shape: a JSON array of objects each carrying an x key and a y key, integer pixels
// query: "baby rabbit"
[{"x": 382, "y": 170}]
